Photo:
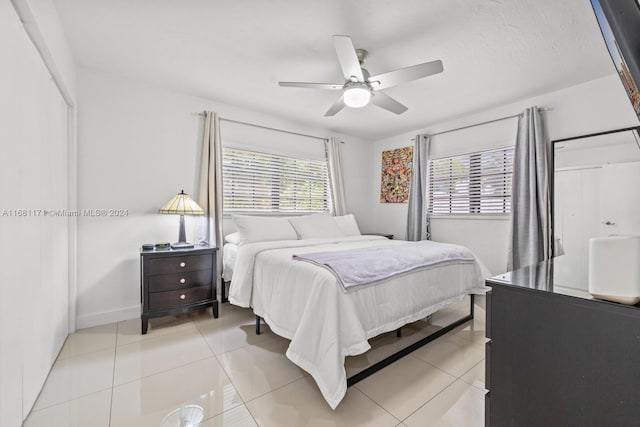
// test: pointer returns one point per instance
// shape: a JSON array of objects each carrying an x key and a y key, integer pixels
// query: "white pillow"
[
  {"x": 263, "y": 229},
  {"x": 347, "y": 225},
  {"x": 233, "y": 238},
  {"x": 316, "y": 225}
]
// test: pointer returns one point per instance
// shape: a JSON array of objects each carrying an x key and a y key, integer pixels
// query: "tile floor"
[{"x": 113, "y": 376}]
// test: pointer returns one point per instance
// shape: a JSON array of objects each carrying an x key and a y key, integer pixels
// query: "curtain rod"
[
  {"x": 266, "y": 127},
  {"x": 483, "y": 123}
]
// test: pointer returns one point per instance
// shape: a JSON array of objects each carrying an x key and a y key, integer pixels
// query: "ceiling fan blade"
[
  {"x": 388, "y": 103},
  {"x": 336, "y": 107},
  {"x": 327, "y": 86},
  {"x": 348, "y": 58},
  {"x": 407, "y": 74}
]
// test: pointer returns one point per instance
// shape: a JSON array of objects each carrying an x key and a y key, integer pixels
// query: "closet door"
[
  {"x": 577, "y": 219},
  {"x": 11, "y": 84},
  {"x": 34, "y": 288},
  {"x": 44, "y": 263},
  {"x": 59, "y": 243},
  {"x": 620, "y": 198},
  {"x": 45, "y": 260}
]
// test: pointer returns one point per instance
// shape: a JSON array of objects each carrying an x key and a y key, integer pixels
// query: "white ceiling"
[{"x": 235, "y": 51}]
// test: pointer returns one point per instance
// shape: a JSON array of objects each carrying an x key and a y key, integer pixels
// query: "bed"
[
  {"x": 307, "y": 304},
  {"x": 229, "y": 254}
]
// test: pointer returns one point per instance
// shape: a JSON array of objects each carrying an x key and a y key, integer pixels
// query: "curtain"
[
  {"x": 537, "y": 276},
  {"x": 530, "y": 240},
  {"x": 210, "y": 190},
  {"x": 336, "y": 175},
  {"x": 418, "y": 221}
]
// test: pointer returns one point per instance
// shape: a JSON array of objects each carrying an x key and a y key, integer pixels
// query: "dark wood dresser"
[
  {"x": 174, "y": 281},
  {"x": 557, "y": 357}
]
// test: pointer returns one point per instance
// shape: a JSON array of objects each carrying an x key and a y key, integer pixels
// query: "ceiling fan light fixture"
[
  {"x": 360, "y": 88},
  {"x": 357, "y": 96}
]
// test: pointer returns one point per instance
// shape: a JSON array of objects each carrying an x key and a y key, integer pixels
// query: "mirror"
[{"x": 596, "y": 193}]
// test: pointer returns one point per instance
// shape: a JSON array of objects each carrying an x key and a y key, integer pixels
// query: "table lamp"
[{"x": 182, "y": 205}]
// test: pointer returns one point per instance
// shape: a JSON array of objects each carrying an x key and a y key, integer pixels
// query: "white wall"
[
  {"x": 41, "y": 21},
  {"x": 590, "y": 107},
  {"x": 138, "y": 146},
  {"x": 34, "y": 288}
]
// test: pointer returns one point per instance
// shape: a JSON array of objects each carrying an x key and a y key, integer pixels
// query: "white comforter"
[{"x": 305, "y": 303}]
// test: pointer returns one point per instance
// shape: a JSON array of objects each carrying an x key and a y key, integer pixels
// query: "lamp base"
[{"x": 182, "y": 245}]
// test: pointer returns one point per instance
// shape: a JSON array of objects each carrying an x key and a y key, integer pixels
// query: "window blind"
[
  {"x": 269, "y": 183},
  {"x": 473, "y": 183}
]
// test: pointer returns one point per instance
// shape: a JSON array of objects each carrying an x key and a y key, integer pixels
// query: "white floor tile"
[
  {"x": 77, "y": 376},
  {"x": 147, "y": 401},
  {"x": 300, "y": 404},
  {"x": 236, "y": 417},
  {"x": 164, "y": 352},
  {"x": 89, "y": 340},
  {"x": 387, "y": 344},
  {"x": 90, "y": 410},
  {"x": 404, "y": 386},
  {"x": 381, "y": 347},
  {"x": 258, "y": 369},
  {"x": 452, "y": 354},
  {"x": 475, "y": 376},
  {"x": 129, "y": 331},
  {"x": 232, "y": 333},
  {"x": 459, "y": 405},
  {"x": 476, "y": 329},
  {"x": 446, "y": 316},
  {"x": 174, "y": 366}
]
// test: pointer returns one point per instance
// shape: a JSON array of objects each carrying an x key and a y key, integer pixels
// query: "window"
[
  {"x": 474, "y": 183},
  {"x": 268, "y": 183}
]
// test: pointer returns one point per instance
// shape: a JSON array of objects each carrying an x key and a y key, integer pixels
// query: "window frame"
[
  {"x": 471, "y": 205},
  {"x": 282, "y": 168}
]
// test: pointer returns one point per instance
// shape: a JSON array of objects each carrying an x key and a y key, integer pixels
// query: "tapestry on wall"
[{"x": 397, "y": 166}]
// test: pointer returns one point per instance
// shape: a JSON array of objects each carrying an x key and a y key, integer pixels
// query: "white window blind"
[
  {"x": 474, "y": 183},
  {"x": 269, "y": 183}
]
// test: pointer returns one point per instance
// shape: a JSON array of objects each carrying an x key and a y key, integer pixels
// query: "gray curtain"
[
  {"x": 418, "y": 222},
  {"x": 530, "y": 240},
  {"x": 336, "y": 175},
  {"x": 210, "y": 191}
]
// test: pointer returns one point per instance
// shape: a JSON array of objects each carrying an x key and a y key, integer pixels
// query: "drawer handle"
[
  {"x": 182, "y": 280},
  {"x": 183, "y": 264},
  {"x": 183, "y": 296}
]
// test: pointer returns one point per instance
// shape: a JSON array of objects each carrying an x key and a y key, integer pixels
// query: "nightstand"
[{"x": 176, "y": 281}]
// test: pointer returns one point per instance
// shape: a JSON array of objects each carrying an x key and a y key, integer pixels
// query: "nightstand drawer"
[
  {"x": 177, "y": 264},
  {"x": 172, "y": 282},
  {"x": 173, "y": 299}
]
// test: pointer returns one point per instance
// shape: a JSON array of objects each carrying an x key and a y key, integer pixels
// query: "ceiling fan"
[{"x": 360, "y": 87}]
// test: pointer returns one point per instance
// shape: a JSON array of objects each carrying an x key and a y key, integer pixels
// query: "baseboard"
[{"x": 105, "y": 317}]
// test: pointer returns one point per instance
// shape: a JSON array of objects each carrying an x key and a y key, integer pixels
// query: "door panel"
[{"x": 620, "y": 204}]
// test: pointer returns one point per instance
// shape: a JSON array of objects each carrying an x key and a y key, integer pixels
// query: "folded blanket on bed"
[{"x": 358, "y": 267}]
